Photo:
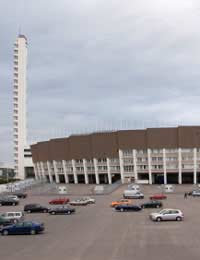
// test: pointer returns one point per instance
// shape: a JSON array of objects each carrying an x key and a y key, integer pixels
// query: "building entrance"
[
  {"x": 81, "y": 178},
  {"x": 172, "y": 178},
  {"x": 71, "y": 178},
  {"x": 103, "y": 178},
  {"x": 187, "y": 178},
  {"x": 91, "y": 178},
  {"x": 158, "y": 178}
]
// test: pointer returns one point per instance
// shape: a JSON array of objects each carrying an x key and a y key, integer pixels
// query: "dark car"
[
  {"x": 152, "y": 204},
  {"x": 128, "y": 208},
  {"x": 8, "y": 201},
  {"x": 22, "y": 228},
  {"x": 5, "y": 222},
  {"x": 66, "y": 210},
  {"x": 35, "y": 208},
  {"x": 20, "y": 195}
]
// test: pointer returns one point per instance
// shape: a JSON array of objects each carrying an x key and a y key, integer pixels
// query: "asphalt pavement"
[{"x": 97, "y": 232}]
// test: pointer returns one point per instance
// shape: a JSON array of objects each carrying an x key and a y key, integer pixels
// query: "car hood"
[{"x": 155, "y": 214}]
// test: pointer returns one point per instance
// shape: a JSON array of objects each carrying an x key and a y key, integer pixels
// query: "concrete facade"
[
  {"x": 156, "y": 155},
  {"x": 19, "y": 104}
]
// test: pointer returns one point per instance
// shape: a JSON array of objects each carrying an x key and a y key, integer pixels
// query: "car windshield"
[{"x": 163, "y": 211}]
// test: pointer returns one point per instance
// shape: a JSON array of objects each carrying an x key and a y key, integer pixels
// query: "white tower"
[{"x": 19, "y": 102}]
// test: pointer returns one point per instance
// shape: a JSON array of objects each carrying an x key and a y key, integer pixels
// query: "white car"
[
  {"x": 131, "y": 194},
  {"x": 13, "y": 216},
  {"x": 89, "y": 200},
  {"x": 78, "y": 202},
  {"x": 167, "y": 214},
  {"x": 14, "y": 197}
]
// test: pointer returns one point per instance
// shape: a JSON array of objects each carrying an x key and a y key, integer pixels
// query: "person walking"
[{"x": 185, "y": 195}]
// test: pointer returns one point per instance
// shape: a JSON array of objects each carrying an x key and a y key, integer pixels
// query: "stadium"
[{"x": 149, "y": 156}]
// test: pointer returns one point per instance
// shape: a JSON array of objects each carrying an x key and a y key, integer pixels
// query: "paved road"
[{"x": 97, "y": 232}]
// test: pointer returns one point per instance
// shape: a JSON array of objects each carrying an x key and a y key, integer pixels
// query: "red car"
[
  {"x": 158, "y": 197},
  {"x": 59, "y": 201}
]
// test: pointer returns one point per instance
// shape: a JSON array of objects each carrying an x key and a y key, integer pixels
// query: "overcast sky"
[{"x": 101, "y": 64}]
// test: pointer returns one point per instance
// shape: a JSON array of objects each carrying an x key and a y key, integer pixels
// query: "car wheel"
[
  {"x": 45, "y": 211},
  {"x": 32, "y": 232},
  {"x": 14, "y": 204},
  {"x": 68, "y": 212},
  {"x": 0, "y": 204},
  {"x": 178, "y": 219},
  {"x": 121, "y": 209},
  {"x": 29, "y": 211},
  {"x": 53, "y": 213},
  {"x": 5, "y": 232},
  {"x": 158, "y": 219},
  {"x": 157, "y": 206},
  {"x": 15, "y": 221}
]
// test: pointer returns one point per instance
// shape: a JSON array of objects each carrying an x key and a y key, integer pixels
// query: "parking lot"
[{"x": 98, "y": 232}]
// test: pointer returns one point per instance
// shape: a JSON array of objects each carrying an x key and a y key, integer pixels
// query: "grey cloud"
[{"x": 102, "y": 65}]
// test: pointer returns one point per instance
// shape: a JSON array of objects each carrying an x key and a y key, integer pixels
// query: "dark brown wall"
[
  {"x": 162, "y": 138},
  {"x": 80, "y": 147},
  {"x": 100, "y": 145},
  {"x": 104, "y": 145},
  {"x": 132, "y": 139},
  {"x": 43, "y": 151},
  {"x": 57, "y": 149},
  {"x": 189, "y": 136},
  {"x": 34, "y": 151}
]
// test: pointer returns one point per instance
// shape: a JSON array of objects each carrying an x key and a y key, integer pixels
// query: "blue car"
[
  {"x": 23, "y": 228},
  {"x": 128, "y": 207}
]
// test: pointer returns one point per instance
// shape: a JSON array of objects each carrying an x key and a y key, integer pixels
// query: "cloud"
[{"x": 101, "y": 65}]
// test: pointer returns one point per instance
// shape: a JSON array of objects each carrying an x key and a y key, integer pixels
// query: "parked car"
[
  {"x": 22, "y": 228},
  {"x": 78, "y": 202},
  {"x": 8, "y": 201},
  {"x": 134, "y": 187},
  {"x": 59, "y": 201},
  {"x": 66, "y": 210},
  {"x": 89, "y": 200},
  {"x": 131, "y": 194},
  {"x": 129, "y": 207},
  {"x": 20, "y": 195},
  {"x": 35, "y": 208},
  {"x": 14, "y": 217},
  {"x": 167, "y": 214},
  {"x": 5, "y": 222},
  {"x": 151, "y": 204},
  {"x": 14, "y": 197},
  {"x": 121, "y": 202},
  {"x": 194, "y": 193},
  {"x": 159, "y": 196}
]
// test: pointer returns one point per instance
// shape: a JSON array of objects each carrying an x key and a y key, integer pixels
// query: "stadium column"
[
  {"x": 164, "y": 166},
  {"x": 121, "y": 163},
  {"x": 49, "y": 171},
  {"x": 36, "y": 171},
  {"x": 74, "y": 171},
  {"x": 85, "y": 171},
  {"x": 65, "y": 171},
  {"x": 56, "y": 172},
  {"x": 195, "y": 166},
  {"x": 109, "y": 171},
  {"x": 42, "y": 170},
  {"x": 96, "y": 170},
  {"x": 179, "y": 166},
  {"x": 149, "y": 165},
  {"x": 135, "y": 165}
]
